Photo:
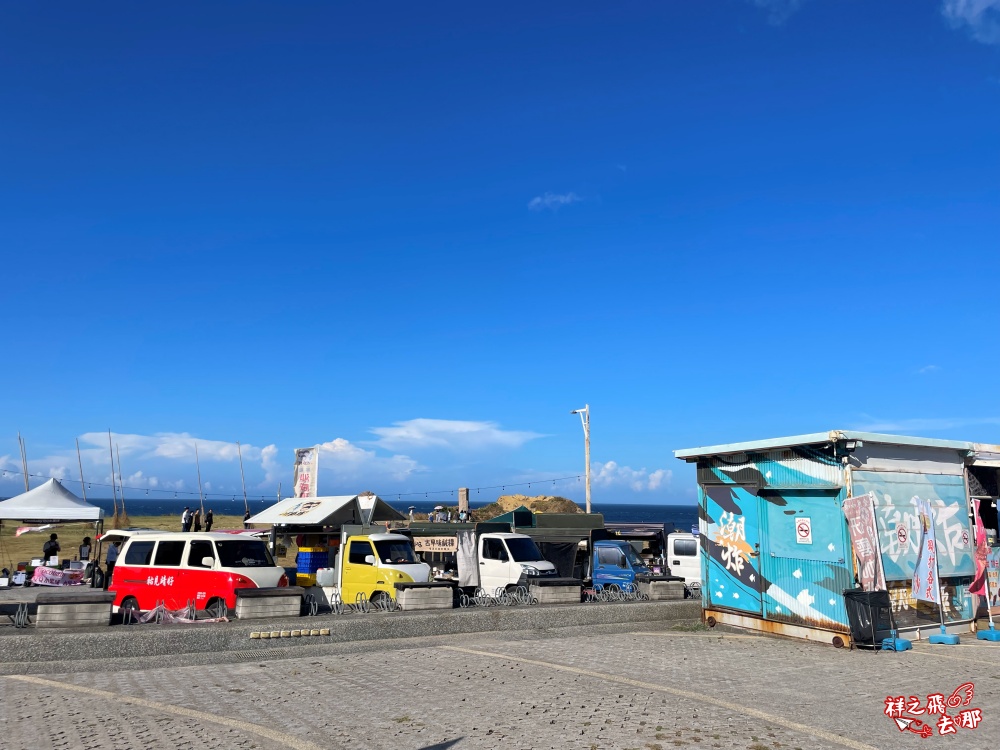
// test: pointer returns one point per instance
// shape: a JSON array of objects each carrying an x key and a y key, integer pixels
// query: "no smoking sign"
[
  {"x": 901, "y": 535},
  {"x": 803, "y": 530}
]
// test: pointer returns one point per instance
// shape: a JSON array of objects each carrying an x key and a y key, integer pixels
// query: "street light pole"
[{"x": 585, "y": 420}]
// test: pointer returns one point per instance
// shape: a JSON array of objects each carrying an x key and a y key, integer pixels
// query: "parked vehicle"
[
  {"x": 180, "y": 567},
  {"x": 374, "y": 563},
  {"x": 509, "y": 560},
  {"x": 684, "y": 559},
  {"x": 615, "y": 564}
]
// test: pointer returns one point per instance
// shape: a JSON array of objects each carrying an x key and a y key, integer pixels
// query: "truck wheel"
[
  {"x": 382, "y": 601},
  {"x": 129, "y": 609},
  {"x": 216, "y": 608}
]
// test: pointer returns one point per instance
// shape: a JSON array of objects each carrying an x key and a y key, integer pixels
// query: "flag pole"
[
  {"x": 246, "y": 504},
  {"x": 944, "y": 637},
  {"x": 992, "y": 634},
  {"x": 201, "y": 496},
  {"x": 893, "y": 643},
  {"x": 114, "y": 487}
]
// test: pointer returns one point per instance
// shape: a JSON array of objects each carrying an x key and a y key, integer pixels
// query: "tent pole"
[
  {"x": 201, "y": 496},
  {"x": 114, "y": 490},
  {"x": 79, "y": 462},
  {"x": 121, "y": 485},
  {"x": 246, "y": 505},
  {"x": 24, "y": 460}
]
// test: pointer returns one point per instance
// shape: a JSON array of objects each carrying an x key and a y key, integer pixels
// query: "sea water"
[{"x": 681, "y": 517}]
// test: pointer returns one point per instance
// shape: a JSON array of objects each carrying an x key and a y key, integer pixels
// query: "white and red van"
[{"x": 179, "y": 567}]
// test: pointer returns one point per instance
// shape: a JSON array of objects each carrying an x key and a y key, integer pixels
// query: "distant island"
[{"x": 537, "y": 504}]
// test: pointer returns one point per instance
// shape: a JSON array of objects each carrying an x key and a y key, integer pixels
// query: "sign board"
[
  {"x": 804, "y": 530},
  {"x": 306, "y": 467},
  {"x": 435, "y": 543}
]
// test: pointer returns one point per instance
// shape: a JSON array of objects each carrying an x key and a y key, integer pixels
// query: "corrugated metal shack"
[{"x": 776, "y": 550}]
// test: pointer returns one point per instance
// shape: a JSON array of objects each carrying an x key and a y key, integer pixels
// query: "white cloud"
[
  {"x": 922, "y": 425},
  {"x": 980, "y": 18},
  {"x": 927, "y": 369},
  {"x": 778, "y": 11},
  {"x": 173, "y": 446},
  {"x": 553, "y": 201},
  {"x": 452, "y": 434},
  {"x": 348, "y": 461},
  {"x": 610, "y": 474}
]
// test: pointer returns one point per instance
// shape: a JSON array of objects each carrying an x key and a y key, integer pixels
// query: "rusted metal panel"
[{"x": 835, "y": 636}]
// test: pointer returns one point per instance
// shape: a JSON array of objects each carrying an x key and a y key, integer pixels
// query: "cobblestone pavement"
[{"x": 650, "y": 690}]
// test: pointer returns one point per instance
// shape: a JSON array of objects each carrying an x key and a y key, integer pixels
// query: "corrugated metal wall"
[{"x": 789, "y": 468}]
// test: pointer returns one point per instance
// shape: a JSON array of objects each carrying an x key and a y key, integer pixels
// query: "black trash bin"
[{"x": 869, "y": 614}]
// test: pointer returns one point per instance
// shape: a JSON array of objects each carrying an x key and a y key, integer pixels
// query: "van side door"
[
  {"x": 494, "y": 564},
  {"x": 359, "y": 575},
  {"x": 200, "y": 581},
  {"x": 131, "y": 572},
  {"x": 611, "y": 567},
  {"x": 168, "y": 578}
]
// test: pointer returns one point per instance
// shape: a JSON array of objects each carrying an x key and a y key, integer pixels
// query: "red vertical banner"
[
  {"x": 306, "y": 466},
  {"x": 978, "y": 585},
  {"x": 860, "y": 514}
]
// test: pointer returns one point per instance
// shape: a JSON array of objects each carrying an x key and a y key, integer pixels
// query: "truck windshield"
[
  {"x": 244, "y": 553},
  {"x": 395, "y": 552},
  {"x": 633, "y": 559},
  {"x": 523, "y": 550}
]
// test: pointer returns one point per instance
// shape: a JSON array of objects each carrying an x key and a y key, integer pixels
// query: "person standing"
[
  {"x": 197, "y": 520},
  {"x": 186, "y": 519},
  {"x": 208, "y": 520},
  {"x": 85, "y": 549},
  {"x": 112, "y": 558},
  {"x": 51, "y": 548},
  {"x": 246, "y": 519}
]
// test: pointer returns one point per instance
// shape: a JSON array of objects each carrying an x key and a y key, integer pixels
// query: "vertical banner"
[
  {"x": 860, "y": 514},
  {"x": 925, "y": 582},
  {"x": 306, "y": 468},
  {"x": 993, "y": 575},
  {"x": 978, "y": 585}
]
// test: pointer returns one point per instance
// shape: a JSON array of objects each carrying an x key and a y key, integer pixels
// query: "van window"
[
  {"x": 169, "y": 553},
  {"x": 199, "y": 550},
  {"x": 139, "y": 553},
  {"x": 359, "y": 551},
  {"x": 244, "y": 553},
  {"x": 493, "y": 549},
  {"x": 608, "y": 555},
  {"x": 685, "y": 547}
]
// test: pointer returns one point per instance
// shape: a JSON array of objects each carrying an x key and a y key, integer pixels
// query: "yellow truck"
[{"x": 372, "y": 564}]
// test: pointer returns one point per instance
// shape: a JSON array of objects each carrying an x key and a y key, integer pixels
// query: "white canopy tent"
[
  {"x": 334, "y": 510},
  {"x": 376, "y": 509},
  {"x": 49, "y": 503}
]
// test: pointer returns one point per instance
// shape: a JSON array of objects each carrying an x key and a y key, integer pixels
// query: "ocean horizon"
[{"x": 680, "y": 516}]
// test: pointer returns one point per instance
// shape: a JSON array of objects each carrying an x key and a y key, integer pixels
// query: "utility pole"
[{"x": 585, "y": 420}]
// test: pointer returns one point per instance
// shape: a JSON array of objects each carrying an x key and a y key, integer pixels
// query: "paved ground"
[{"x": 572, "y": 688}]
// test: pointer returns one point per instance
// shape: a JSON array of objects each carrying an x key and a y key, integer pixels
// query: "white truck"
[
  {"x": 683, "y": 559},
  {"x": 502, "y": 561}
]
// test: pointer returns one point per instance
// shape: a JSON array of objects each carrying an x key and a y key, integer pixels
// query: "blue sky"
[{"x": 420, "y": 234}]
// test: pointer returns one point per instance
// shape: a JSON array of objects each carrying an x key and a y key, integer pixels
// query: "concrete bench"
[
  {"x": 281, "y": 601},
  {"x": 432, "y": 595},
  {"x": 556, "y": 590},
  {"x": 661, "y": 588},
  {"x": 79, "y": 609}
]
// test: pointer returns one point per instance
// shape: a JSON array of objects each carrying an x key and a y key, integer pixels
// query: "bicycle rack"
[
  {"x": 311, "y": 605},
  {"x": 21, "y": 619}
]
